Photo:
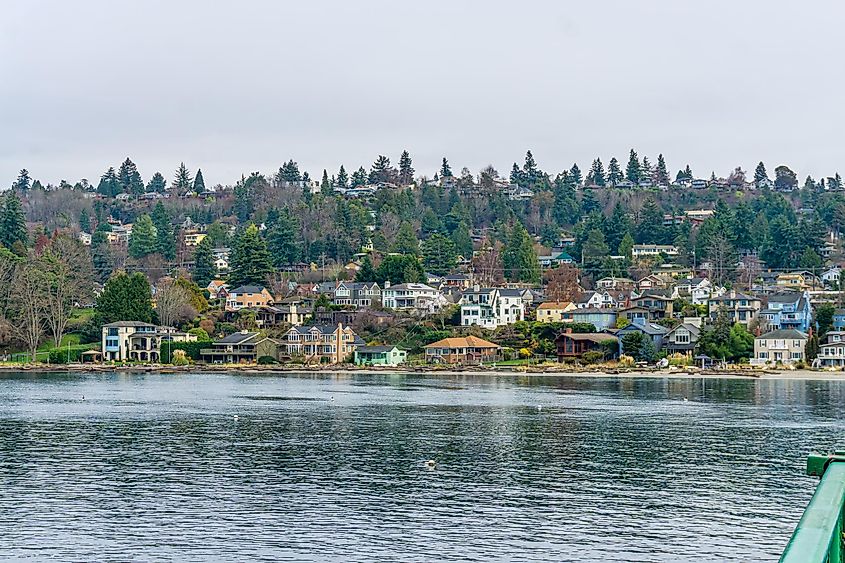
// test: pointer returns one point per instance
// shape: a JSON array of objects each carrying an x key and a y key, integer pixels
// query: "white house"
[
  {"x": 412, "y": 296},
  {"x": 491, "y": 307},
  {"x": 830, "y": 277},
  {"x": 697, "y": 290},
  {"x": 646, "y": 250},
  {"x": 832, "y": 352}
]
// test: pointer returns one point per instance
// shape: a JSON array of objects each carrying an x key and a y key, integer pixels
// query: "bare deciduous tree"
[
  {"x": 173, "y": 303},
  {"x": 562, "y": 283},
  {"x": 69, "y": 279},
  {"x": 28, "y": 306}
]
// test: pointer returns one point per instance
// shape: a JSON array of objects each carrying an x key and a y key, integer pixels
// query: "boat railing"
[{"x": 818, "y": 536}]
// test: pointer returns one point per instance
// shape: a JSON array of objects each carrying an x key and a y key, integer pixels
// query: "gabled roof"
[
  {"x": 648, "y": 328},
  {"x": 786, "y": 297},
  {"x": 691, "y": 328},
  {"x": 237, "y": 338},
  {"x": 128, "y": 324},
  {"x": 247, "y": 289},
  {"x": 597, "y": 337},
  {"x": 784, "y": 334},
  {"x": 554, "y": 305},
  {"x": 376, "y": 349},
  {"x": 463, "y": 342}
]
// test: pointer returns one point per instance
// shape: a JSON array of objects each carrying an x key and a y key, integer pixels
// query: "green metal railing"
[{"x": 818, "y": 537}]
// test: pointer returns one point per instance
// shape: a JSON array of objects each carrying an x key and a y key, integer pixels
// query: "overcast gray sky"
[{"x": 233, "y": 87}]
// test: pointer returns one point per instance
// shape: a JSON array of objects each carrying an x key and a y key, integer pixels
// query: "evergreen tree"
[
  {"x": 36, "y": 186},
  {"x": 626, "y": 246},
  {"x": 594, "y": 252},
  {"x": 445, "y": 169},
  {"x": 199, "y": 182},
  {"x": 84, "y": 221},
  {"x": 342, "y": 178},
  {"x": 125, "y": 297},
  {"x": 835, "y": 183},
  {"x": 22, "y": 183},
  {"x": 810, "y": 260},
  {"x": 589, "y": 203},
  {"x": 109, "y": 185},
  {"x": 438, "y": 254},
  {"x": 284, "y": 240},
  {"x": 359, "y": 177},
  {"x": 575, "y": 175},
  {"x": 325, "y": 185},
  {"x": 129, "y": 178},
  {"x": 367, "y": 273},
  {"x": 13, "y": 232},
  {"x": 519, "y": 257},
  {"x": 380, "y": 171},
  {"x": 650, "y": 228},
  {"x": 157, "y": 184},
  {"x": 101, "y": 256},
  {"x": 517, "y": 177},
  {"x": 406, "y": 170},
  {"x": 596, "y": 175},
  {"x": 143, "y": 239},
  {"x": 400, "y": 269},
  {"x": 684, "y": 175},
  {"x": 288, "y": 173},
  {"x": 617, "y": 225},
  {"x": 530, "y": 172},
  {"x": 760, "y": 175},
  {"x": 165, "y": 234},
  {"x": 406, "y": 241},
  {"x": 614, "y": 172},
  {"x": 645, "y": 169},
  {"x": 661, "y": 174},
  {"x": 462, "y": 239},
  {"x": 632, "y": 171},
  {"x": 205, "y": 269},
  {"x": 250, "y": 261},
  {"x": 183, "y": 182}
]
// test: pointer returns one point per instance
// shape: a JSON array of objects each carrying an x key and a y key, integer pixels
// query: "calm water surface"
[{"x": 157, "y": 467}]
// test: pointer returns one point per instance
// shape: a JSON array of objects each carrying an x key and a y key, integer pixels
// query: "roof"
[
  {"x": 237, "y": 338},
  {"x": 648, "y": 328},
  {"x": 785, "y": 334},
  {"x": 324, "y": 329},
  {"x": 247, "y": 289},
  {"x": 786, "y": 297},
  {"x": 376, "y": 349},
  {"x": 463, "y": 342},
  {"x": 596, "y": 337},
  {"x": 593, "y": 311},
  {"x": 419, "y": 286},
  {"x": 127, "y": 324},
  {"x": 691, "y": 328},
  {"x": 729, "y": 297},
  {"x": 554, "y": 305}
]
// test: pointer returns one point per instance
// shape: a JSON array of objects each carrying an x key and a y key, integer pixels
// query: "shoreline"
[{"x": 531, "y": 371}]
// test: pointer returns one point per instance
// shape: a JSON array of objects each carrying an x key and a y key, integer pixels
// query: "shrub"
[
  {"x": 626, "y": 361},
  {"x": 592, "y": 357},
  {"x": 180, "y": 358},
  {"x": 61, "y": 355},
  {"x": 191, "y": 349},
  {"x": 267, "y": 360},
  {"x": 524, "y": 353}
]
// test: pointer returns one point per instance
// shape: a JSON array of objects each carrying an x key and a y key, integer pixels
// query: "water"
[{"x": 156, "y": 467}]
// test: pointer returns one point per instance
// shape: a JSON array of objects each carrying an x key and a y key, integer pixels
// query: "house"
[
  {"x": 520, "y": 193},
  {"x": 656, "y": 332},
  {"x": 785, "y": 346},
  {"x": 740, "y": 308},
  {"x": 369, "y": 317},
  {"x": 221, "y": 264},
  {"x": 797, "y": 281},
  {"x": 574, "y": 344},
  {"x": 651, "y": 250},
  {"x": 839, "y": 319},
  {"x": 193, "y": 238},
  {"x": 491, "y": 307},
  {"x": 831, "y": 277},
  {"x": 682, "y": 339},
  {"x": 217, "y": 289},
  {"x": 659, "y": 306},
  {"x": 240, "y": 348},
  {"x": 84, "y": 238},
  {"x": 553, "y": 311},
  {"x": 462, "y": 350},
  {"x": 136, "y": 341},
  {"x": 601, "y": 318},
  {"x": 354, "y": 294},
  {"x": 832, "y": 351},
  {"x": 322, "y": 343},
  {"x": 379, "y": 356},
  {"x": 788, "y": 310},
  {"x": 461, "y": 281},
  {"x": 695, "y": 290},
  {"x": 618, "y": 284},
  {"x": 412, "y": 297},
  {"x": 555, "y": 259},
  {"x": 279, "y": 314},
  {"x": 247, "y": 296}
]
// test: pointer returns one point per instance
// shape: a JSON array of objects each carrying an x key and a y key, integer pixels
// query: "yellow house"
[
  {"x": 552, "y": 311},
  {"x": 193, "y": 239}
]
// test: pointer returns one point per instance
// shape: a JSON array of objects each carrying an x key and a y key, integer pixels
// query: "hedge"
[
  {"x": 192, "y": 349},
  {"x": 60, "y": 355}
]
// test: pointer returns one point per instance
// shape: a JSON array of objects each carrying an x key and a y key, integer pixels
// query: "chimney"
[
  {"x": 568, "y": 331},
  {"x": 476, "y": 288},
  {"x": 386, "y": 284}
]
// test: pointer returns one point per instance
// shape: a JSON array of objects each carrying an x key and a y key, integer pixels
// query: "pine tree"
[
  {"x": 626, "y": 246},
  {"x": 284, "y": 240},
  {"x": 288, "y": 173},
  {"x": 517, "y": 176},
  {"x": 406, "y": 241},
  {"x": 157, "y": 184},
  {"x": 359, "y": 177},
  {"x": 380, "y": 171},
  {"x": 205, "y": 269},
  {"x": 530, "y": 172},
  {"x": 661, "y": 174},
  {"x": 438, "y": 254},
  {"x": 597, "y": 176},
  {"x": 760, "y": 175},
  {"x": 84, "y": 221},
  {"x": 129, "y": 178},
  {"x": 632, "y": 171},
  {"x": 143, "y": 239},
  {"x": 250, "y": 261},
  {"x": 125, "y": 297},
  {"x": 367, "y": 273},
  {"x": 645, "y": 169},
  {"x": 575, "y": 175},
  {"x": 199, "y": 182},
  {"x": 182, "y": 182},
  {"x": 519, "y": 257},
  {"x": 342, "y": 180},
  {"x": 165, "y": 234},
  {"x": 101, "y": 256},
  {"x": 445, "y": 169},
  {"x": 614, "y": 172},
  {"x": 406, "y": 170},
  {"x": 109, "y": 185},
  {"x": 462, "y": 239},
  {"x": 23, "y": 182},
  {"x": 650, "y": 228},
  {"x": 13, "y": 231},
  {"x": 325, "y": 185}
]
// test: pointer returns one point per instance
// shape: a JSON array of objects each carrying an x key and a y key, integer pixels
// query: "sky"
[{"x": 236, "y": 87}]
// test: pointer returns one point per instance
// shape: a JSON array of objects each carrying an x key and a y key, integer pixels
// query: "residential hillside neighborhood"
[{"x": 380, "y": 266}]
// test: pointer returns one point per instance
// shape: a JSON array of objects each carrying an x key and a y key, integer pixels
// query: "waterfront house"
[
  {"x": 279, "y": 314},
  {"x": 832, "y": 351},
  {"x": 240, "y": 348},
  {"x": 554, "y": 311},
  {"x": 740, "y": 308},
  {"x": 785, "y": 346},
  {"x": 839, "y": 319},
  {"x": 414, "y": 297},
  {"x": 601, "y": 318},
  {"x": 462, "y": 350},
  {"x": 657, "y": 333},
  {"x": 321, "y": 343},
  {"x": 248, "y": 296},
  {"x": 682, "y": 339},
  {"x": 788, "y": 310},
  {"x": 574, "y": 344},
  {"x": 379, "y": 356},
  {"x": 135, "y": 341},
  {"x": 491, "y": 307}
]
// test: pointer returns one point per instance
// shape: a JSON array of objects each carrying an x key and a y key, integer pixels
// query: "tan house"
[
  {"x": 240, "y": 348},
  {"x": 135, "y": 341},
  {"x": 463, "y": 350},
  {"x": 780, "y": 346},
  {"x": 248, "y": 296},
  {"x": 553, "y": 311},
  {"x": 322, "y": 344}
]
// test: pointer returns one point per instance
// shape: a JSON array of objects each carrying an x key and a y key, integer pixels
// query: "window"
[
  {"x": 796, "y": 355},
  {"x": 763, "y": 355},
  {"x": 112, "y": 332}
]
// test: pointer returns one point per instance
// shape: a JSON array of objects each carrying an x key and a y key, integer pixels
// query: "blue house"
[
  {"x": 601, "y": 318},
  {"x": 839, "y": 319},
  {"x": 787, "y": 311},
  {"x": 656, "y": 332}
]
